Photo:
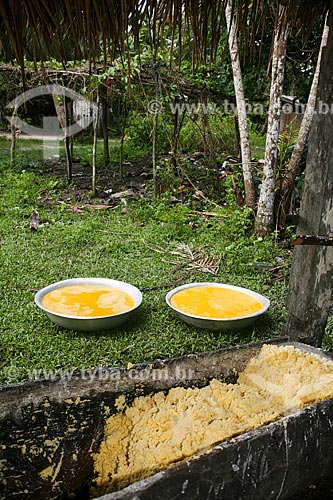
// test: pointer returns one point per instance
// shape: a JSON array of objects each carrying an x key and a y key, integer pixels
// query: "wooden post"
[
  {"x": 311, "y": 280},
  {"x": 94, "y": 152},
  {"x": 105, "y": 122},
  {"x": 68, "y": 121},
  {"x": 13, "y": 137}
]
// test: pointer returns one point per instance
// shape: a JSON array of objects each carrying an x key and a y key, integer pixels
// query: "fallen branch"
[{"x": 88, "y": 205}]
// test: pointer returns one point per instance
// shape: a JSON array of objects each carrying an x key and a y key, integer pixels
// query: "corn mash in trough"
[
  {"x": 245, "y": 422},
  {"x": 157, "y": 431}
]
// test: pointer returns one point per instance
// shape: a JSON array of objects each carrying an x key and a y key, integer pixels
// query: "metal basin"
[
  {"x": 218, "y": 324},
  {"x": 84, "y": 323}
]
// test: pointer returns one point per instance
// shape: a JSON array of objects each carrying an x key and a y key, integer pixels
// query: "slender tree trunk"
[
  {"x": 155, "y": 122},
  {"x": 60, "y": 110},
  {"x": 122, "y": 139},
  {"x": 265, "y": 213},
  {"x": 68, "y": 121},
  {"x": 237, "y": 134},
  {"x": 250, "y": 196},
  {"x": 311, "y": 283},
  {"x": 94, "y": 152},
  {"x": 156, "y": 113},
  {"x": 295, "y": 159},
  {"x": 105, "y": 131},
  {"x": 62, "y": 107},
  {"x": 13, "y": 137}
]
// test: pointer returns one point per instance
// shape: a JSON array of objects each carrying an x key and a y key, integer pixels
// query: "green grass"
[
  {"x": 125, "y": 247},
  {"x": 258, "y": 143},
  {"x": 134, "y": 246},
  {"x": 30, "y": 153}
]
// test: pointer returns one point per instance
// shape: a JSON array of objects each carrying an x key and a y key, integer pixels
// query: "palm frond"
[{"x": 92, "y": 23}]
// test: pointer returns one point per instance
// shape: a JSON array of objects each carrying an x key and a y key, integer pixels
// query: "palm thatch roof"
[
  {"x": 95, "y": 25},
  {"x": 45, "y": 28}
]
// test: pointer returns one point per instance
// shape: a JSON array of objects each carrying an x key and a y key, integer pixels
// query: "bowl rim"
[
  {"x": 264, "y": 300},
  {"x": 102, "y": 281}
]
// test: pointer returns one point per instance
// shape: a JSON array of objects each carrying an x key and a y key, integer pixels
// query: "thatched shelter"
[{"x": 41, "y": 28}]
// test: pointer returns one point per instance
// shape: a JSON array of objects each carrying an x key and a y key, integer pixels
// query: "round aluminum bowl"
[
  {"x": 84, "y": 323},
  {"x": 218, "y": 324}
]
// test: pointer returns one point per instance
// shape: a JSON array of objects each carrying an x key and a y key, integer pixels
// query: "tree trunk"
[
  {"x": 157, "y": 78},
  {"x": 237, "y": 134},
  {"x": 295, "y": 159},
  {"x": 122, "y": 139},
  {"x": 68, "y": 121},
  {"x": 62, "y": 108},
  {"x": 105, "y": 124},
  {"x": 13, "y": 137},
  {"x": 250, "y": 196},
  {"x": 265, "y": 213},
  {"x": 94, "y": 151},
  {"x": 311, "y": 284}
]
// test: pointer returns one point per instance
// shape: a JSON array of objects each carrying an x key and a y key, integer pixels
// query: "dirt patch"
[
  {"x": 201, "y": 180},
  {"x": 109, "y": 182}
]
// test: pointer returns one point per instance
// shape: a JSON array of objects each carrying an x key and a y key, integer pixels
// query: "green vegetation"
[
  {"x": 138, "y": 243},
  {"x": 133, "y": 245}
]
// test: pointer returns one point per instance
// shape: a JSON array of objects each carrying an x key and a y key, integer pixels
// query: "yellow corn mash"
[
  {"x": 215, "y": 302},
  {"x": 162, "y": 429}
]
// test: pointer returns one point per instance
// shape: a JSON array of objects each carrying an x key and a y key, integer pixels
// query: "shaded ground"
[{"x": 197, "y": 179}]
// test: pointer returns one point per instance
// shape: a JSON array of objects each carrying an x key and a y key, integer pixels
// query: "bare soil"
[{"x": 136, "y": 181}]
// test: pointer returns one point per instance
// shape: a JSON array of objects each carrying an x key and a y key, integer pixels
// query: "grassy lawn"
[{"x": 134, "y": 245}]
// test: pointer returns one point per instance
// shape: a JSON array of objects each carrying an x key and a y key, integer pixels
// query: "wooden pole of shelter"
[
  {"x": 68, "y": 148},
  {"x": 13, "y": 137},
  {"x": 105, "y": 122},
  {"x": 156, "y": 111},
  {"x": 94, "y": 151},
  {"x": 311, "y": 280},
  {"x": 63, "y": 107}
]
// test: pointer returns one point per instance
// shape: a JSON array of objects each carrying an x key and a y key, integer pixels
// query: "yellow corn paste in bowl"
[
  {"x": 87, "y": 301},
  {"x": 215, "y": 302}
]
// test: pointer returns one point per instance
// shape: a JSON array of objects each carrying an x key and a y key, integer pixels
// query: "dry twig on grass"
[{"x": 191, "y": 259}]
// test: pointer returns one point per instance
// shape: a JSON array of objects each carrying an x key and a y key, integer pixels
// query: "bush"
[
  {"x": 240, "y": 222},
  {"x": 140, "y": 134},
  {"x": 220, "y": 138}
]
